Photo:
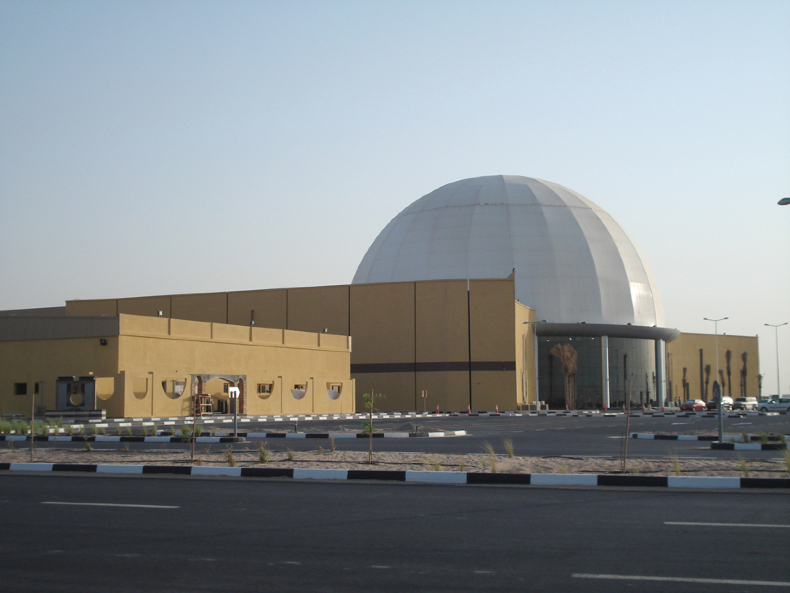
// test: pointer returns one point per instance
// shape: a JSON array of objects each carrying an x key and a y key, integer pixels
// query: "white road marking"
[
  {"x": 622, "y": 577},
  {"x": 109, "y": 504},
  {"x": 676, "y": 423},
  {"x": 727, "y": 524},
  {"x": 375, "y": 566}
]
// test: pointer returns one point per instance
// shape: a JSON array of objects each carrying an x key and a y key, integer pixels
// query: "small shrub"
[
  {"x": 786, "y": 455},
  {"x": 81, "y": 430},
  {"x": 5, "y": 427},
  {"x": 129, "y": 430},
  {"x": 197, "y": 462},
  {"x": 675, "y": 465},
  {"x": 70, "y": 430},
  {"x": 319, "y": 451},
  {"x": 198, "y": 430},
  {"x": 763, "y": 437},
  {"x": 125, "y": 448},
  {"x": 117, "y": 431},
  {"x": 10, "y": 445},
  {"x": 213, "y": 431},
  {"x": 144, "y": 430},
  {"x": 563, "y": 468},
  {"x": 185, "y": 433},
  {"x": 229, "y": 457},
  {"x": 290, "y": 454},
  {"x": 745, "y": 437},
  {"x": 462, "y": 466},
  {"x": 102, "y": 431},
  {"x": 332, "y": 444},
  {"x": 263, "y": 453},
  {"x": 88, "y": 446},
  {"x": 744, "y": 466},
  {"x": 508, "y": 444}
]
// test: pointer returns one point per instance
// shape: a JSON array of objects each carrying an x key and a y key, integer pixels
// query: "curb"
[
  {"x": 685, "y": 437},
  {"x": 749, "y": 446},
  {"x": 229, "y": 439},
  {"x": 425, "y": 477}
]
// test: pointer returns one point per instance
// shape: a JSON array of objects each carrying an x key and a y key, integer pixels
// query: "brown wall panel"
[
  {"x": 442, "y": 321},
  {"x": 200, "y": 307},
  {"x": 149, "y": 306},
  {"x": 492, "y": 388},
  {"x": 269, "y": 307},
  {"x": 492, "y": 320},
  {"x": 447, "y": 389},
  {"x": 96, "y": 307},
  {"x": 382, "y": 322},
  {"x": 398, "y": 389},
  {"x": 319, "y": 308}
]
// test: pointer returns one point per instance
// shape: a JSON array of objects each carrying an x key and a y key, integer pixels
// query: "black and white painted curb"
[
  {"x": 230, "y": 439},
  {"x": 425, "y": 477},
  {"x": 729, "y": 443},
  {"x": 225, "y": 419}
]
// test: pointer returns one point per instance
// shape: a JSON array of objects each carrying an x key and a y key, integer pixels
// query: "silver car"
[
  {"x": 777, "y": 404},
  {"x": 745, "y": 403}
]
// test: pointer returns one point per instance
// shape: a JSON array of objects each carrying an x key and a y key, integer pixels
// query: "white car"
[{"x": 781, "y": 404}]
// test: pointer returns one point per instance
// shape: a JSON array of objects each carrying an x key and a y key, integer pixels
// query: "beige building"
[
  {"x": 461, "y": 344},
  {"x": 140, "y": 366}
]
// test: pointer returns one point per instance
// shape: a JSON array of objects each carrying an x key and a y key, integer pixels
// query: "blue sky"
[{"x": 172, "y": 147}]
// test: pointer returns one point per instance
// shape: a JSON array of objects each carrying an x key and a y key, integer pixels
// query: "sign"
[{"x": 233, "y": 392}]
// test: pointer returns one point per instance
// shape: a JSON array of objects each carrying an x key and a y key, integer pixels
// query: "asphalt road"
[
  {"x": 58, "y": 534},
  {"x": 531, "y": 436}
]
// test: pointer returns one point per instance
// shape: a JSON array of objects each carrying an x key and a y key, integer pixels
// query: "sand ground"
[{"x": 247, "y": 455}]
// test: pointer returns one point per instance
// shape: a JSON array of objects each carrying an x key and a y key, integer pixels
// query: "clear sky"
[{"x": 186, "y": 146}]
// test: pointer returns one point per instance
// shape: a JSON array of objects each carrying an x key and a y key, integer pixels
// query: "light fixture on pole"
[
  {"x": 719, "y": 405},
  {"x": 535, "y": 334},
  {"x": 776, "y": 331}
]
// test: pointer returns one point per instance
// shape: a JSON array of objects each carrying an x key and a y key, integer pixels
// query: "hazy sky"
[{"x": 172, "y": 147}]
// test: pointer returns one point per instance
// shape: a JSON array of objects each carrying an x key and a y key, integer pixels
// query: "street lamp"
[
  {"x": 716, "y": 381},
  {"x": 776, "y": 331},
  {"x": 535, "y": 333}
]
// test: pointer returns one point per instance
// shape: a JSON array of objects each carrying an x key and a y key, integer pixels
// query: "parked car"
[
  {"x": 745, "y": 403},
  {"x": 781, "y": 404},
  {"x": 692, "y": 405},
  {"x": 726, "y": 403}
]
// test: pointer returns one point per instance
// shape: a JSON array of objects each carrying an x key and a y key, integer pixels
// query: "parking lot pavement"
[{"x": 531, "y": 435}]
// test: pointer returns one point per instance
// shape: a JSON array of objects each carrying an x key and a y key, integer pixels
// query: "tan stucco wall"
[
  {"x": 685, "y": 353},
  {"x": 30, "y": 361},
  {"x": 150, "y": 350}
]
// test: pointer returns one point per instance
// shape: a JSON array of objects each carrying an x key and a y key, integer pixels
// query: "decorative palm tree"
[
  {"x": 721, "y": 379},
  {"x": 728, "y": 356},
  {"x": 707, "y": 379},
  {"x": 743, "y": 374},
  {"x": 685, "y": 385},
  {"x": 568, "y": 357}
]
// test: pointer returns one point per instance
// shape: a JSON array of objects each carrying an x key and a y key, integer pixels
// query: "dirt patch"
[{"x": 216, "y": 455}]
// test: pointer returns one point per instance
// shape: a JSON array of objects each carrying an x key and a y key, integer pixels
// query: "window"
[
  {"x": 225, "y": 388},
  {"x": 264, "y": 388},
  {"x": 35, "y": 388},
  {"x": 20, "y": 388}
]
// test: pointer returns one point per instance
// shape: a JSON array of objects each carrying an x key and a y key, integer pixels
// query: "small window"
[
  {"x": 35, "y": 388},
  {"x": 225, "y": 388},
  {"x": 264, "y": 388},
  {"x": 20, "y": 388}
]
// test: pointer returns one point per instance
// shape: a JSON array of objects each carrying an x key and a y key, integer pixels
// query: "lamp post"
[
  {"x": 776, "y": 331},
  {"x": 719, "y": 405},
  {"x": 535, "y": 334}
]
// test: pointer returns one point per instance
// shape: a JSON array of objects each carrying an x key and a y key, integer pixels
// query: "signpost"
[{"x": 233, "y": 393}]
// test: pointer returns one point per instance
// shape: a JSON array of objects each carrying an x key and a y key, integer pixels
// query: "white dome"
[{"x": 573, "y": 262}]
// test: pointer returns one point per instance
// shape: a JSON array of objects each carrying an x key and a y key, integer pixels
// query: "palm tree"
[
  {"x": 568, "y": 357},
  {"x": 707, "y": 379},
  {"x": 743, "y": 375},
  {"x": 728, "y": 356}
]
